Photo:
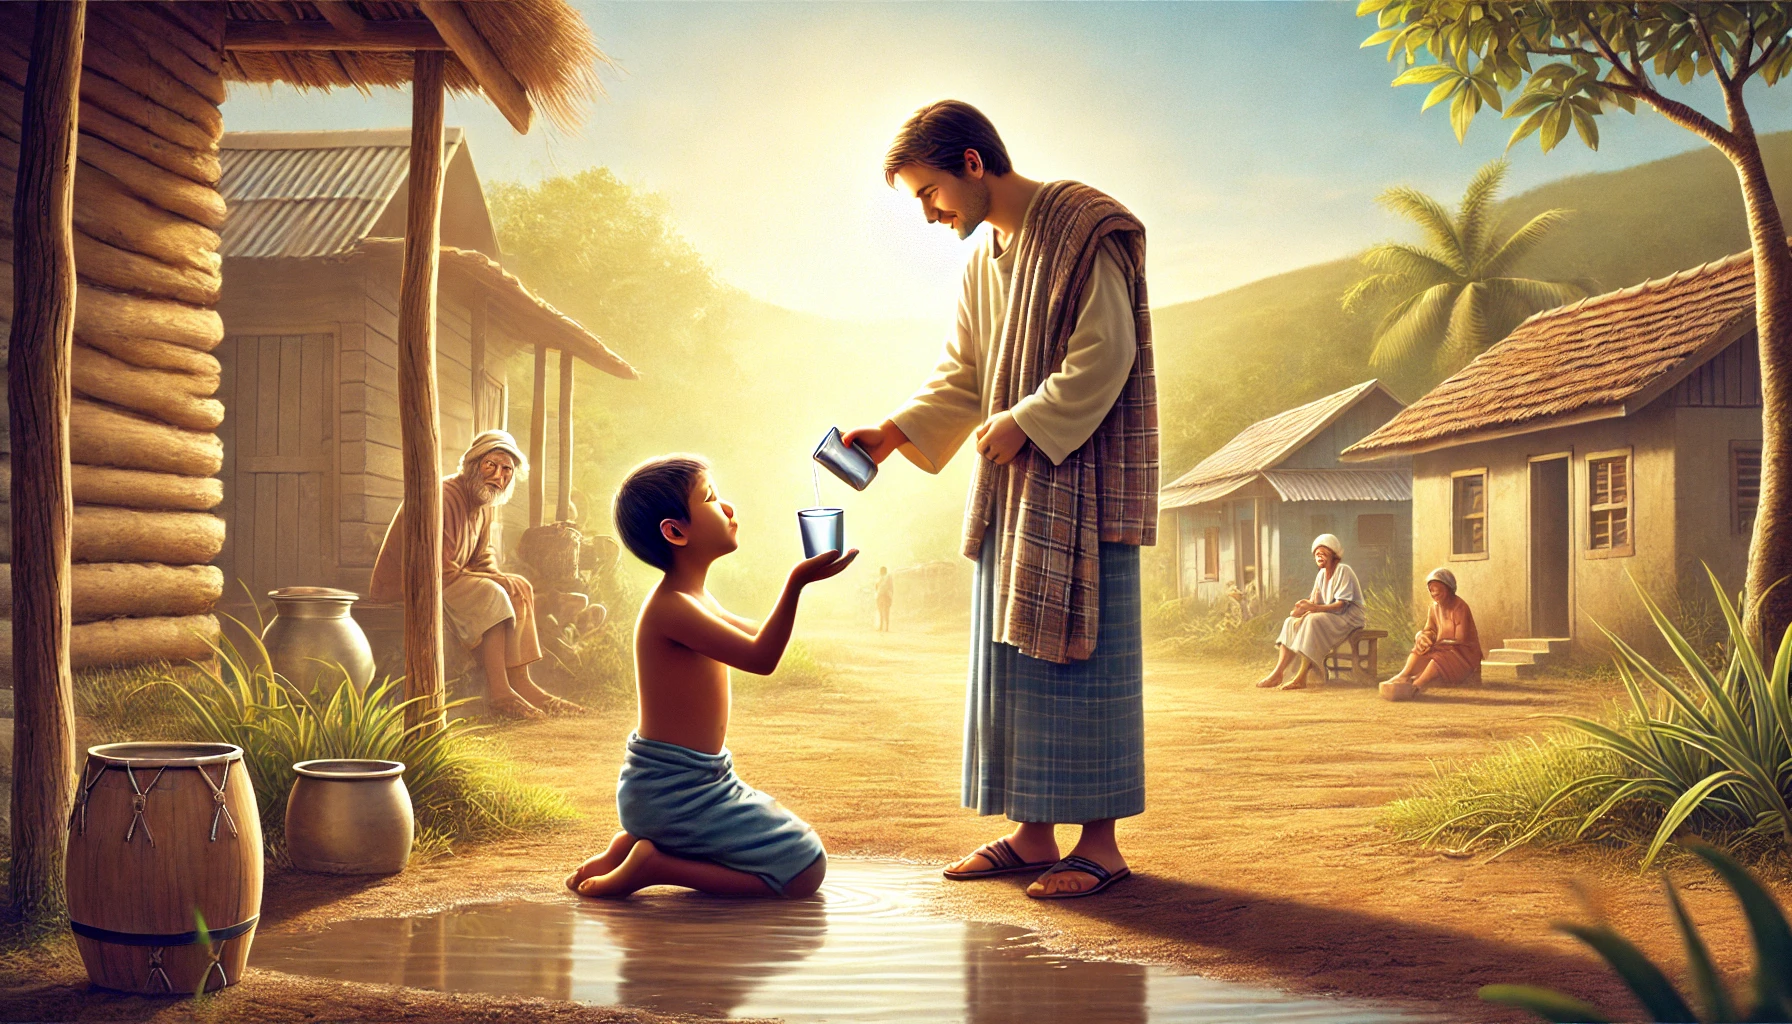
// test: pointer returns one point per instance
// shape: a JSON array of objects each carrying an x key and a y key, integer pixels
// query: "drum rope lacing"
[
  {"x": 156, "y": 971},
  {"x": 218, "y": 799},
  {"x": 140, "y": 803},
  {"x": 87, "y": 784}
]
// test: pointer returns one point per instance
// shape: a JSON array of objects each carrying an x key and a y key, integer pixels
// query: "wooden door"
[
  {"x": 278, "y": 462},
  {"x": 1550, "y": 548}
]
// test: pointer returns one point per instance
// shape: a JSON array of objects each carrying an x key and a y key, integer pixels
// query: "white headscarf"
[
  {"x": 483, "y": 445},
  {"x": 1444, "y": 576},
  {"x": 1329, "y": 540}
]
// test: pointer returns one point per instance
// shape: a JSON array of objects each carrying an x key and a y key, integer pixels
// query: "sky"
[{"x": 1250, "y": 137}]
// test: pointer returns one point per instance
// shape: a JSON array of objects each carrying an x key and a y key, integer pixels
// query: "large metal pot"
[
  {"x": 348, "y": 817},
  {"x": 312, "y": 632}
]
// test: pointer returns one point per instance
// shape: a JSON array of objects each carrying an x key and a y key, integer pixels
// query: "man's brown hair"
[{"x": 938, "y": 134}]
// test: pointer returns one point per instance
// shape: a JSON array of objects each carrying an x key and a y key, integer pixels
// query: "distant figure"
[
  {"x": 886, "y": 595},
  {"x": 1447, "y": 650},
  {"x": 1321, "y": 622},
  {"x": 490, "y": 612},
  {"x": 687, "y": 818}
]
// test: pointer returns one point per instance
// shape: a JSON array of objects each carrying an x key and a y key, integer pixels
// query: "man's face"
[
  {"x": 958, "y": 201},
  {"x": 494, "y": 473},
  {"x": 711, "y": 528}
]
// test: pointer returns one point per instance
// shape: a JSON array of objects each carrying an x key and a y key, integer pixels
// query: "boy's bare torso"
[{"x": 683, "y": 695}]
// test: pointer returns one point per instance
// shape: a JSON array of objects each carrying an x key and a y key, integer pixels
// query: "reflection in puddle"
[{"x": 864, "y": 951}]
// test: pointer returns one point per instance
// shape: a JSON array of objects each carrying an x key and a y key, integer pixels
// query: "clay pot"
[
  {"x": 312, "y": 633},
  {"x": 348, "y": 817},
  {"x": 162, "y": 836}
]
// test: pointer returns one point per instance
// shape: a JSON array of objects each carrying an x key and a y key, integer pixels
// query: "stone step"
[
  {"x": 1557, "y": 646},
  {"x": 1518, "y": 655},
  {"x": 1506, "y": 671}
]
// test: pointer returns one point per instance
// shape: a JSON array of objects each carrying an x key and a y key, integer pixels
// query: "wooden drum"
[{"x": 163, "y": 835}]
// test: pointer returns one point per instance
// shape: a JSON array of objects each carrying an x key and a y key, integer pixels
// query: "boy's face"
[{"x": 710, "y": 531}]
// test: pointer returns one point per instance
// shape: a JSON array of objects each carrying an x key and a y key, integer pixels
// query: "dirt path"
[{"x": 1257, "y": 859}]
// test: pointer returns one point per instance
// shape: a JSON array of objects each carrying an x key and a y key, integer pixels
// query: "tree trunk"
[
  {"x": 420, "y": 432},
  {"x": 563, "y": 482},
  {"x": 41, "y": 347},
  {"x": 1770, "y": 551},
  {"x": 538, "y": 429}
]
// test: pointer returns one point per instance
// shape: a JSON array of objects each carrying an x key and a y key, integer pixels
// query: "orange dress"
[{"x": 1455, "y": 644}]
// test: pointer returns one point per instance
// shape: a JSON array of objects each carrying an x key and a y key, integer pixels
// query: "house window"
[
  {"x": 1375, "y": 539},
  {"x": 1317, "y": 525},
  {"x": 1210, "y": 554},
  {"x": 1608, "y": 504},
  {"x": 1745, "y": 485},
  {"x": 1468, "y": 513}
]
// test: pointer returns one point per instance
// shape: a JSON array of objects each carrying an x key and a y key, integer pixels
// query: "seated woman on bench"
[
  {"x": 1322, "y": 621},
  {"x": 1447, "y": 650}
]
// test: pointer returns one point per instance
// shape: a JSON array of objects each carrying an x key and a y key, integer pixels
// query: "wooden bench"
[{"x": 1359, "y": 654}]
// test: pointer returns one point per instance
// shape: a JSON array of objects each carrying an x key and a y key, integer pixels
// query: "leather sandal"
[
  {"x": 1103, "y": 877},
  {"x": 1002, "y": 861}
]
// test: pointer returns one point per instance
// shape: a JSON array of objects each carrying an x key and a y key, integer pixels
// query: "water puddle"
[{"x": 863, "y": 951}]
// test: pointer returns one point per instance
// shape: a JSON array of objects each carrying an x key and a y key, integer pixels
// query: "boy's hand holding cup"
[{"x": 821, "y": 567}]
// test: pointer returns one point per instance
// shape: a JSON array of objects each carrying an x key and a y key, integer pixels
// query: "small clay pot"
[{"x": 349, "y": 817}]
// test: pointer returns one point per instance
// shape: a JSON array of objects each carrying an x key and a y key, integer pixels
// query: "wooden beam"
[
  {"x": 345, "y": 19},
  {"x": 419, "y": 427},
  {"x": 538, "y": 429},
  {"x": 41, "y": 347},
  {"x": 377, "y": 36},
  {"x": 476, "y": 374},
  {"x": 501, "y": 87},
  {"x": 563, "y": 481}
]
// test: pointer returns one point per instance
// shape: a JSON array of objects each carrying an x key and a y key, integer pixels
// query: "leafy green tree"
[
  {"x": 1456, "y": 294},
  {"x": 1558, "y": 66}
]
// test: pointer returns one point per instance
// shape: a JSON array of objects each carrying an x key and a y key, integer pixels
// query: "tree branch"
[
  {"x": 1675, "y": 111},
  {"x": 1717, "y": 59}
]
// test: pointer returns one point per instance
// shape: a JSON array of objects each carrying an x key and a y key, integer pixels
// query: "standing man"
[
  {"x": 491, "y": 613},
  {"x": 886, "y": 595},
  {"x": 1050, "y": 372}
]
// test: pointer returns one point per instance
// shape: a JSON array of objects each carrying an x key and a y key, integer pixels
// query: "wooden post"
[
  {"x": 37, "y": 376},
  {"x": 476, "y": 375},
  {"x": 563, "y": 489},
  {"x": 538, "y": 428},
  {"x": 418, "y": 424}
]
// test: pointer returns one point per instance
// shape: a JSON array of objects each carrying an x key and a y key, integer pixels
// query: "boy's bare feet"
[
  {"x": 1035, "y": 844},
  {"x": 604, "y": 863},
  {"x": 645, "y": 866}
]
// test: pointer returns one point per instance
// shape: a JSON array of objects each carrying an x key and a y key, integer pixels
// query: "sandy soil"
[{"x": 1256, "y": 860}]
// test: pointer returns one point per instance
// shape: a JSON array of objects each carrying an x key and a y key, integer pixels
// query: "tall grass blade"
[
  {"x": 1677, "y": 814},
  {"x": 1545, "y": 1003},
  {"x": 1711, "y": 990},
  {"x": 1767, "y": 926},
  {"x": 1645, "y": 980}
]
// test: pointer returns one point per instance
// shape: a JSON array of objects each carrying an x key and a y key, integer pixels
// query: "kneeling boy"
[{"x": 687, "y": 819}]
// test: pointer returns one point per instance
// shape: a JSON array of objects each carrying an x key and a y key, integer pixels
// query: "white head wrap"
[
  {"x": 1329, "y": 540},
  {"x": 483, "y": 445},
  {"x": 1444, "y": 576}
]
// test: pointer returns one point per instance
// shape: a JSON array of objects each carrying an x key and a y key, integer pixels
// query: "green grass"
[{"x": 1192, "y": 626}]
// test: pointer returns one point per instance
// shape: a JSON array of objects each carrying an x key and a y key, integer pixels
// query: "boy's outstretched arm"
[{"x": 689, "y": 622}]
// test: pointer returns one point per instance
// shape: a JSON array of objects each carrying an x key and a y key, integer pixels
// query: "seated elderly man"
[{"x": 491, "y": 613}]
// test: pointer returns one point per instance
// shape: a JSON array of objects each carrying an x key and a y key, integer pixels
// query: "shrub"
[
  {"x": 461, "y": 785},
  {"x": 1391, "y": 608},
  {"x": 1712, "y": 752},
  {"x": 1215, "y": 628}
]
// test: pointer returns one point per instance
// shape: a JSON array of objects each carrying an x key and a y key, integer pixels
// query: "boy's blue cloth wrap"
[{"x": 691, "y": 804}]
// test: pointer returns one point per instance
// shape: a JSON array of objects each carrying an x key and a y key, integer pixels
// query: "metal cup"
[
  {"x": 824, "y": 529},
  {"x": 848, "y": 462}
]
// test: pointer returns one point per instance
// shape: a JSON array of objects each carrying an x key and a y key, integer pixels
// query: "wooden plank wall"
[{"x": 147, "y": 211}]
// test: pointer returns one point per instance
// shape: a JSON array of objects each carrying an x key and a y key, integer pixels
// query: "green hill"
[{"x": 1228, "y": 360}]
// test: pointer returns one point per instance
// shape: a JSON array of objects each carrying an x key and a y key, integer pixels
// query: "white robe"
[{"x": 1315, "y": 634}]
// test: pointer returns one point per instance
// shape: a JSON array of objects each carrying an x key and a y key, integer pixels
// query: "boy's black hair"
[{"x": 656, "y": 490}]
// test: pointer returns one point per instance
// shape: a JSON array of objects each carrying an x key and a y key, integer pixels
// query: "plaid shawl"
[{"x": 1050, "y": 520}]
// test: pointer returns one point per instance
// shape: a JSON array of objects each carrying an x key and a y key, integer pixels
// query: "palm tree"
[{"x": 1454, "y": 296}]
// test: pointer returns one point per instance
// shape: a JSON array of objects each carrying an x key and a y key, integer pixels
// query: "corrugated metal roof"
[
  {"x": 1602, "y": 356},
  {"x": 303, "y": 194},
  {"x": 1263, "y": 444},
  {"x": 1341, "y": 484},
  {"x": 1183, "y": 496}
]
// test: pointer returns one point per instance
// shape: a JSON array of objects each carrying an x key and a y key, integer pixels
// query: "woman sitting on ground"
[
  {"x": 1447, "y": 650},
  {"x": 1322, "y": 621}
]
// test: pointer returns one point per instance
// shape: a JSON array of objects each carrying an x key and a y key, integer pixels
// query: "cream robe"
[{"x": 1069, "y": 404}]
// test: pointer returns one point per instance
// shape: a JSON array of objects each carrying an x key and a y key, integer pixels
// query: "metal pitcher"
[{"x": 312, "y": 632}]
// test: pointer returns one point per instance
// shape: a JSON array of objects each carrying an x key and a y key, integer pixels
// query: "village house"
[
  {"x": 1614, "y": 440},
  {"x": 311, "y": 249},
  {"x": 1246, "y": 516}
]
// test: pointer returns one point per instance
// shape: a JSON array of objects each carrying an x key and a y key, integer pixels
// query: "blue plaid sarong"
[
  {"x": 1058, "y": 743},
  {"x": 691, "y": 804}
]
